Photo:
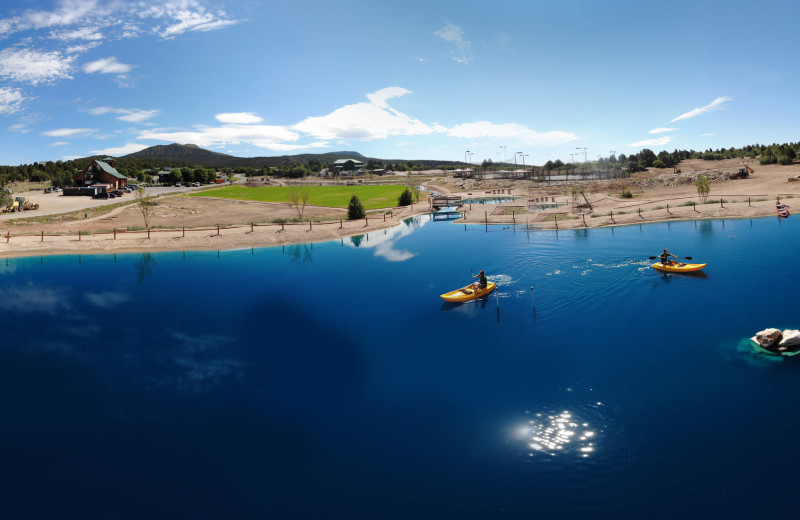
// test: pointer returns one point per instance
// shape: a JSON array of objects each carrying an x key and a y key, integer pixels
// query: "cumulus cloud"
[
  {"x": 511, "y": 131},
  {"x": 34, "y": 66},
  {"x": 366, "y": 121},
  {"x": 107, "y": 66},
  {"x": 80, "y": 33},
  {"x": 659, "y": 141},
  {"x": 454, "y": 35},
  {"x": 186, "y": 15},
  {"x": 242, "y": 118},
  {"x": 707, "y": 135},
  {"x": 717, "y": 104},
  {"x": 662, "y": 130},
  {"x": 10, "y": 100},
  {"x": 58, "y": 143},
  {"x": 120, "y": 150},
  {"x": 129, "y": 115}
]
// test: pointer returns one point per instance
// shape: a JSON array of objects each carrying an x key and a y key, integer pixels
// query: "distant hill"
[{"x": 193, "y": 155}]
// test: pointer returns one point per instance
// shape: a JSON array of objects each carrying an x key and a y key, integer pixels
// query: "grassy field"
[{"x": 371, "y": 196}]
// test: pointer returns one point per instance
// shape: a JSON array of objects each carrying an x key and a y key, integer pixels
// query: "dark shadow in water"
[
  {"x": 300, "y": 254},
  {"x": 691, "y": 274},
  {"x": 144, "y": 267}
]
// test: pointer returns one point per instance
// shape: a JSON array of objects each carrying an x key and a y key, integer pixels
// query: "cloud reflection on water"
[{"x": 384, "y": 241}]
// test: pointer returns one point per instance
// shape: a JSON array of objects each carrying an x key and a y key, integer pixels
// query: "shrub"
[
  {"x": 355, "y": 210},
  {"x": 784, "y": 159},
  {"x": 658, "y": 163},
  {"x": 626, "y": 195},
  {"x": 406, "y": 198}
]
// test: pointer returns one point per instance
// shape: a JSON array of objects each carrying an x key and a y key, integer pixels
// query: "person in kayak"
[
  {"x": 665, "y": 257},
  {"x": 481, "y": 280}
]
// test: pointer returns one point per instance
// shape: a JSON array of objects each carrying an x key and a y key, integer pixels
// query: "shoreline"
[{"x": 239, "y": 238}]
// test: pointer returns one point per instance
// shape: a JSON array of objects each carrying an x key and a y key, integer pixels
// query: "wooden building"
[{"x": 101, "y": 172}]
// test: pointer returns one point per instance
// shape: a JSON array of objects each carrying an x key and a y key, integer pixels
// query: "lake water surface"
[{"x": 331, "y": 381}]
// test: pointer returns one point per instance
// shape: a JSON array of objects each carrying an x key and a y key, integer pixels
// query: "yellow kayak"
[
  {"x": 678, "y": 267},
  {"x": 468, "y": 293}
]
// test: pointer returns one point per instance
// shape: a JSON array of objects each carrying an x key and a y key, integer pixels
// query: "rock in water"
[
  {"x": 790, "y": 340},
  {"x": 768, "y": 338}
]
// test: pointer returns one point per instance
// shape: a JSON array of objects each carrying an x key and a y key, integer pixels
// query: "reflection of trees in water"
[
  {"x": 706, "y": 227},
  {"x": 300, "y": 254},
  {"x": 144, "y": 267},
  {"x": 356, "y": 239}
]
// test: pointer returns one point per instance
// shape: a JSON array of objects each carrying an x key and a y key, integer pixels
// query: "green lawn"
[{"x": 371, "y": 196}]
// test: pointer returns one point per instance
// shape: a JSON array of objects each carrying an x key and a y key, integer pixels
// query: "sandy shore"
[{"x": 254, "y": 224}]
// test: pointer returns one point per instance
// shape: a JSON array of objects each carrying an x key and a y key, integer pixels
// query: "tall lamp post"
[
  {"x": 465, "y": 157},
  {"x": 523, "y": 159},
  {"x": 505, "y": 156},
  {"x": 584, "y": 152}
]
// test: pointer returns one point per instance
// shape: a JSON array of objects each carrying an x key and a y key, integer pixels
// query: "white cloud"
[
  {"x": 58, "y": 143},
  {"x": 120, "y": 150},
  {"x": 187, "y": 16},
  {"x": 69, "y": 132},
  {"x": 659, "y": 141},
  {"x": 107, "y": 66},
  {"x": 34, "y": 67},
  {"x": 129, "y": 115},
  {"x": 717, "y": 104},
  {"x": 263, "y": 136},
  {"x": 707, "y": 135},
  {"x": 662, "y": 130},
  {"x": 81, "y": 33},
  {"x": 366, "y": 121},
  {"x": 520, "y": 133},
  {"x": 380, "y": 97},
  {"x": 241, "y": 118},
  {"x": 454, "y": 35},
  {"x": 19, "y": 127},
  {"x": 10, "y": 100}
]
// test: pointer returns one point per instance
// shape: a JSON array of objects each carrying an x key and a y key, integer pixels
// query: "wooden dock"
[{"x": 446, "y": 201}]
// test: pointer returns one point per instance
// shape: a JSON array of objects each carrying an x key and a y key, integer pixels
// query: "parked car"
[
  {"x": 101, "y": 195},
  {"x": 118, "y": 193},
  {"x": 177, "y": 184},
  {"x": 110, "y": 195},
  {"x": 56, "y": 189},
  {"x": 196, "y": 184}
]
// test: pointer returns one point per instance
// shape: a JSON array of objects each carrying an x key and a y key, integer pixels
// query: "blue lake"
[{"x": 331, "y": 381}]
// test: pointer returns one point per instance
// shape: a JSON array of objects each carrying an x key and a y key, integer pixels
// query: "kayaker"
[
  {"x": 665, "y": 257},
  {"x": 482, "y": 280}
]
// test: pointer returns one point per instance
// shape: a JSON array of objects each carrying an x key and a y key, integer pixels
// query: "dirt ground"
[{"x": 655, "y": 198}]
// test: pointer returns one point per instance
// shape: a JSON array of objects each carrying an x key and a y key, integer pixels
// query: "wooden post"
[
  {"x": 748, "y": 202},
  {"x": 282, "y": 222},
  {"x": 366, "y": 219},
  {"x": 486, "y": 216},
  {"x": 612, "y": 217},
  {"x": 668, "y": 208},
  {"x": 8, "y": 237},
  {"x": 217, "y": 229},
  {"x": 720, "y": 203},
  {"x": 384, "y": 217},
  {"x": 115, "y": 233},
  {"x": 79, "y": 235},
  {"x": 340, "y": 223},
  {"x": 251, "y": 227},
  {"x": 583, "y": 215},
  {"x": 148, "y": 233},
  {"x": 184, "y": 231},
  {"x": 514, "y": 218},
  {"x": 309, "y": 225},
  {"x": 556, "y": 219},
  {"x": 42, "y": 236}
]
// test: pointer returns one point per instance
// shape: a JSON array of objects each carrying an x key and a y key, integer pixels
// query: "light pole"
[
  {"x": 572, "y": 155},
  {"x": 523, "y": 159},
  {"x": 505, "y": 156},
  {"x": 470, "y": 158},
  {"x": 465, "y": 156},
  {"x": 584, "y": 152}
]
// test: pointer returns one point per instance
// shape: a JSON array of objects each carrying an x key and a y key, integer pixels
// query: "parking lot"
[{"x": 56, "y": 202}]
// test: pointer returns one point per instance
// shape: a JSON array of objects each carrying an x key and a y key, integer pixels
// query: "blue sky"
[{"x": 411, "y": 80}]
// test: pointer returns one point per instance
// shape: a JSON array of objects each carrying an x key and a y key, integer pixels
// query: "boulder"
[
  {"x": 790, "y": 340},
  {"x": 768, "y": 338}
]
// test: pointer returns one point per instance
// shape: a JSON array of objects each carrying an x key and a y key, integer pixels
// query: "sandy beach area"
[{"x": 194, "y": 223}]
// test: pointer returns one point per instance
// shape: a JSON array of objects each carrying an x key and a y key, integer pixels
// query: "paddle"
[{"x": 679, "y": 258}]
